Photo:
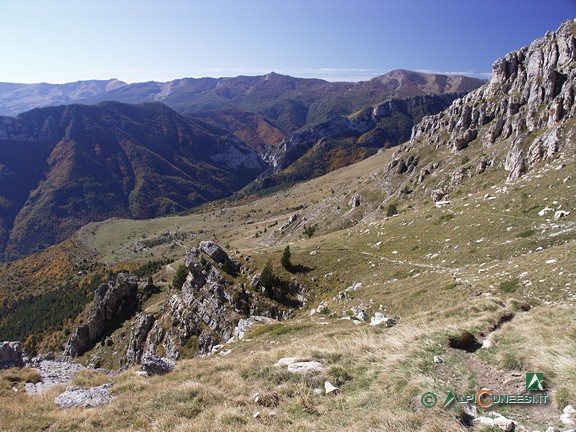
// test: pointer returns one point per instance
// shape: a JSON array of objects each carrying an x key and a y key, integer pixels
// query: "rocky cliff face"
[
  {"x": 384, "y": 125},
  {"x": 113, "y": 304},
  {"x": 525, "y": 109},
  {"x": 201, "y": 316}
]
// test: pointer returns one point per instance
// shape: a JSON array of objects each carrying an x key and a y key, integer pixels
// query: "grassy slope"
[{"x": 440, "y": 270}]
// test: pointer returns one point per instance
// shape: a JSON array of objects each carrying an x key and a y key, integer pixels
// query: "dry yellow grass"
[{"x": 382, "y": 372}]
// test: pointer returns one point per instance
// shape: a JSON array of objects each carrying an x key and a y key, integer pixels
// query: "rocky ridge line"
[
  {"x": 526, "y": 104},
  {"x": 204, "y": 314}
]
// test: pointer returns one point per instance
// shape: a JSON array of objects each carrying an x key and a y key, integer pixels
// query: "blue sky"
[{"x": 68, "y": 40}]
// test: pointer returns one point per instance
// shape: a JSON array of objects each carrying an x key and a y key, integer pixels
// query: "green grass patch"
[
  {"x": 233, "y": 420},
  {"x": 327, "y": 357},
  {"x": 444, "y": 218},
  {"x": 509, "y": 360},
  {"x": 509, "y": 286},
  {"x": 277, "y": 329},
  {"x": 339, "y": 376},
  {"x": 526, "y": 234}
]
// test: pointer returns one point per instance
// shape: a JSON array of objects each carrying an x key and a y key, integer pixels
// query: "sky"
[{"x": 60, "y": 41}]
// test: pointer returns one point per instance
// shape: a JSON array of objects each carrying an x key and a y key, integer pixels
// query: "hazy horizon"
[
  {"x": 136, "y": 41},
  {"x": 484, "y": 76}
]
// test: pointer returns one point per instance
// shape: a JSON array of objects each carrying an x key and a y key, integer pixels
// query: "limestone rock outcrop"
[
  {"x": 141, "y": 326},
  {"x": 205, "y": 313},
  {"x": 114, "y": 303},
  {"x": 355, "y": 201},
  {"x": 526, "y": 104}
]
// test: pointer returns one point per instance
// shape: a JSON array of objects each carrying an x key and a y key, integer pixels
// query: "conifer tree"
[{"x": 286, "y": 259}]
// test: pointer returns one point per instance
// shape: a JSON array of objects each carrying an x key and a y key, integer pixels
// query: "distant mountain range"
[
  {"x": 289, "y": 103},
  {"x": 67, "y": 165},
  {"x": 62, "y": 167}
]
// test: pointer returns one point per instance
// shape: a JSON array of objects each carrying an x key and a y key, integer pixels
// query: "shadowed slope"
[{"x": 66, "y": 166}]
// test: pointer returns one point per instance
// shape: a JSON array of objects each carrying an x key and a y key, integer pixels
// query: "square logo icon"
[{"x": 535, "y": 381}]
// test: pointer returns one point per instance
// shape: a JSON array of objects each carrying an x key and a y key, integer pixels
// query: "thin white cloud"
[
  {"x": 470, "y": 73},
  {"x": 352, "y": 71},
  {"x": 347, "y": 74}
]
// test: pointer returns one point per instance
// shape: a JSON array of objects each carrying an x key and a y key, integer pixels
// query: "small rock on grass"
[
  {"x": 380, "y": 319},
  {"x": 330, "y": 388},
  {"x": 295, "y": 365},
  {"x": 305, "y": 367},
  {"x": 568, "y": 415}
]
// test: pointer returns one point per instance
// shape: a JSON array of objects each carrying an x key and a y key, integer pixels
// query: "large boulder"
[
  {"x": 298, "y": 366},
  {"x": 154, "y": 365},
  {"x": 380, "y": 319},
  {"x": 218, "y": 254},
  {"x": 437, "y": 194},
  {"x": 355, "y": 201}
]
